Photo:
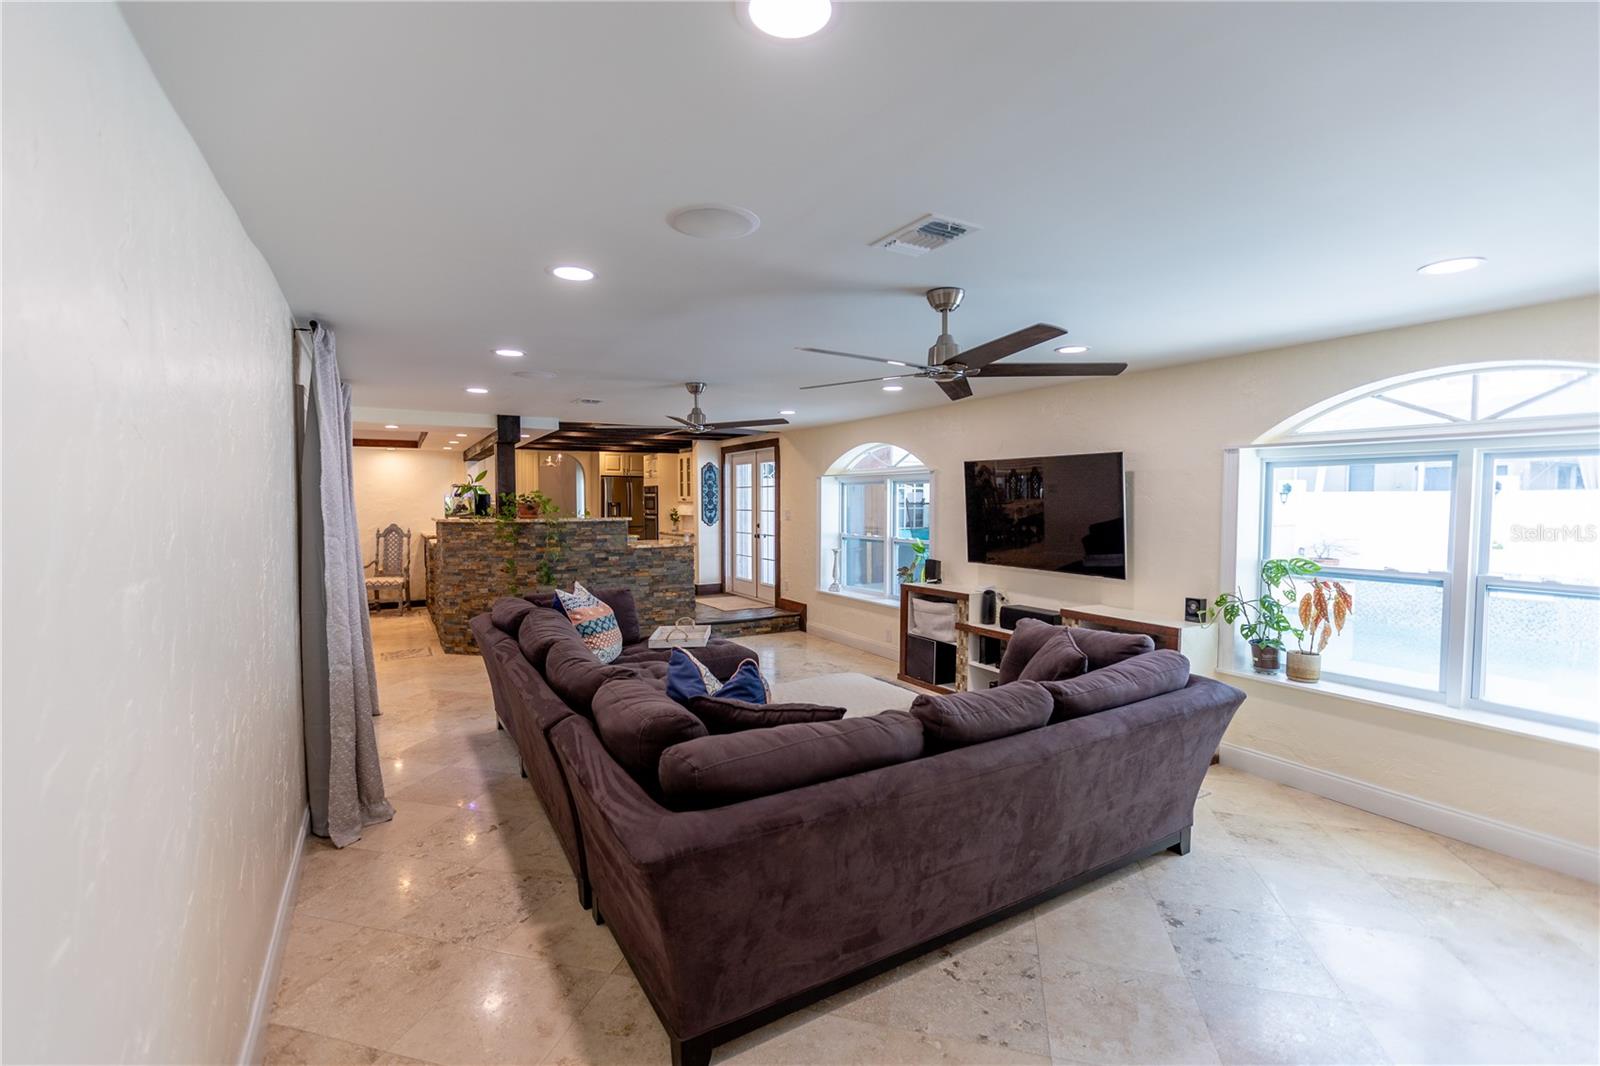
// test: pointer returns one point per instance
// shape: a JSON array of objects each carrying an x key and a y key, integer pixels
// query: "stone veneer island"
[{"x": 466, "y": 558}]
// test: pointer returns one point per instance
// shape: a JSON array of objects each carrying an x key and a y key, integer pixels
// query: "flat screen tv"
[{"x": 1063, "y": 513}]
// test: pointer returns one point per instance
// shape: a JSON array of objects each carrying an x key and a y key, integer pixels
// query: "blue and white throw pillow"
[
  {"x": 688, "y": 677},
  {"x": 594, "y": 620}
]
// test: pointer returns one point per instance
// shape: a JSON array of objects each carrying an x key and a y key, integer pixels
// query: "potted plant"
[
  {"x": 1323, "y": 610},
  {"x": 470, "y": 496},
  {"x": 1262, "y": 619},
  {"x": 676, "y": 518},
  {"x": 911, "y": 571}
]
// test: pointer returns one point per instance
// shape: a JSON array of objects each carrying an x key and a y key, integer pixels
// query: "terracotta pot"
[
  {"x": 1305, "y": 666},
  {"x": 1265, "y": 658}
]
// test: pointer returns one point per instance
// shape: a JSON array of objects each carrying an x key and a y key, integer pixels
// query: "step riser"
[{"x": 754, "y": 627}]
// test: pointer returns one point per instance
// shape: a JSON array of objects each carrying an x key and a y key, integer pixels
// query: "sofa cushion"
[
  {"x": 1026, "y": 640},
  {"x": 987, "y": 714},
  {"x": 620, "y": 601},
  {"x": 623, "y": 606},
  {"x": 723, "y": 715},
  {"x": 508, "y": 612},
  {"x": 594, "y": 620},
  {"x": 758, "y": 762},
  {"x": 1105, "y": 648},
  {"x": 1144, "y": 676},
  {"x": 637, "y": 722},
  {"x": 541, "y": 630},
  {"x": 576, "y": 675},
  {"x": 1058, "y": 660}
]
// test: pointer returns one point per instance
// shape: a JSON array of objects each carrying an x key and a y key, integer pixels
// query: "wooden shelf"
[{"x": 978, "y": 629}]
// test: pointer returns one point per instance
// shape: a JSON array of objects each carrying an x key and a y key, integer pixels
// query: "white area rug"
[{"x": 858, "y": 694}]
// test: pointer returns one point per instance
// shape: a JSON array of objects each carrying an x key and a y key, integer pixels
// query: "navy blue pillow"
[
  {"x": 688, "y": 677},
  {"x": 746, "y": 685}
]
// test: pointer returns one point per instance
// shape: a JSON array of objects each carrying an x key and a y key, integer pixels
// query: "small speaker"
[
  {"x": 932, "y": 571},
  {"x": 988, "y": 607},
  {"x": 1011, "y": 613}
]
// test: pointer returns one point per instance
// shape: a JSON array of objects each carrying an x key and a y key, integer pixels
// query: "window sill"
[
  {"x": 1499, "y": 723},
  {"x": 862, "y": 597}
]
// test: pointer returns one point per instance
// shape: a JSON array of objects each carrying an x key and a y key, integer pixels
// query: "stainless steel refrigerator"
[{"x": 623, "y": 497}]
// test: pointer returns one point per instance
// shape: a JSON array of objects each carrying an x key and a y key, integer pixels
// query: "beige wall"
[
  {"x": 154, "y": 783},
  {"x": 1173, "y": 425},
  {"x": 406, "y": 486}
]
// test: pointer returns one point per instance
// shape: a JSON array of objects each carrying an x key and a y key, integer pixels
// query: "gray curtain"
[{"x": 340, "y": 686}]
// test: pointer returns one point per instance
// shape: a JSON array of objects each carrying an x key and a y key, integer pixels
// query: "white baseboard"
[
  {"x": 851, "y": 640},
  {"x": 252, "y": 1052},
  {"x": 1541, "y": 849}
]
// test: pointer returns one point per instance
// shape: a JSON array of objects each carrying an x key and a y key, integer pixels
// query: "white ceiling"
[{"x": 1168, "y": 182}]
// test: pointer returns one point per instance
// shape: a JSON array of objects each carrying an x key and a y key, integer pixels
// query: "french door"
[{"x": 751, "y": 554}]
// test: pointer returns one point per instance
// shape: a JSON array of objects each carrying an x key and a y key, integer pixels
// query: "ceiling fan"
[
  {"x": 951, "y": 368},
  {"x": 610, "y": 436},
  {"x": 696, "y": 425}
]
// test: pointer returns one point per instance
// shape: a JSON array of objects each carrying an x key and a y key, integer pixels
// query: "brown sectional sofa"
[{"x": 734, "y": 911}]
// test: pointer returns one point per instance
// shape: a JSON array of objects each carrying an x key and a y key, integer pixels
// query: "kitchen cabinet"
[
  {"x": 685, "y": 477},
  {"x": 624, "y": 463}
]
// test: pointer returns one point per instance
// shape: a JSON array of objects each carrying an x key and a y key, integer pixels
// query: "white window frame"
[
  {"x": 1465, "y": 582},
  {"x": 837, "y": 485}
]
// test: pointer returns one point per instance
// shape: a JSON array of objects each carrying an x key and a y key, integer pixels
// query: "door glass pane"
[
  {"x": 1540, "y": 651},
  {"x": 1390, "y": 514},
  {"x": 864, "y": 508},
  {"x": 1544, "y": 518},
  {"x": 769, "y": 521},
  {"x": 912, "y": 513},
  {"x": 863, "y": 564},
  {"x": 1394, "y": 635}
]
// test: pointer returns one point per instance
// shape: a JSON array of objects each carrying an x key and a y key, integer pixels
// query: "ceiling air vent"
[
  {"x": 924, "y": 235},
  {"x": 587, "y": 400}
]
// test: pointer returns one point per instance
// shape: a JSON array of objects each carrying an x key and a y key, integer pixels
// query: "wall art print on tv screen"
[{"x": 1060, "y": 512}]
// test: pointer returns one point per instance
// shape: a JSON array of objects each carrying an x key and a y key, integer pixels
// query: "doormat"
[{"x": 406, "y": 653}]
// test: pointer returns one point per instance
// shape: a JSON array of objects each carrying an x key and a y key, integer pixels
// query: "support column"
[{"x": 508, "y": 434}]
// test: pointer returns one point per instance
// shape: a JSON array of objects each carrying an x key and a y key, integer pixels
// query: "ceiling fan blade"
[
  {"x": 683, "y": 421},
  {"x": 853, "y": 355},
  {"x": 748, "y": 422},
  {"x": 861, "y": 381},
  {"x": 959, "y": 389},
  {"x": 1010, "y": 344},
  {"x": 1052, "y": 370}
]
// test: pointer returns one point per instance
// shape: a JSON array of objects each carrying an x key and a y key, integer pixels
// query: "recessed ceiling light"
[
  {"x": 714, "y": 222},
  {"x": 461, "y": 434},
  {"x": 388, "y": 449},
  {"x": 525, "y": 436},
  {"x": 893, "y": 388},
  {"x": 896, "y": 362},
  {"x": 510, "y": 353},
  {"x": 1453, "y": 266},
  {"x": 391, "y": 426},
  {"x": 447, "y": 447},
  {"x": 477, "y": 390},
  {"x": 790, "y": 19},
  {"x": 786, "y": 412},
  {"x": 573, "y": 273},
  {"x": 1073, "y": 349}
]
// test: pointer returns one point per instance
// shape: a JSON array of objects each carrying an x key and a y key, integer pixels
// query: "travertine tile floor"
[{"x": 1297, "y": 931}]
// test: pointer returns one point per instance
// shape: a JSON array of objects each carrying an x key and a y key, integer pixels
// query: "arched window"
[
  {"x": 1461, "y": 508},
  {"x": 1489, "y": 396},
  {"x": 876, "y": 509}
]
